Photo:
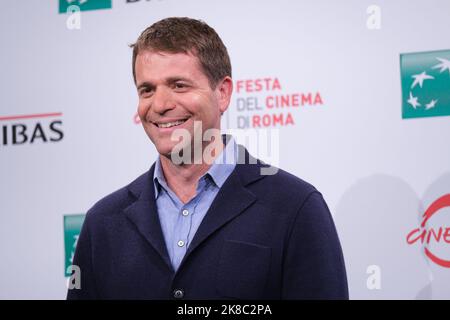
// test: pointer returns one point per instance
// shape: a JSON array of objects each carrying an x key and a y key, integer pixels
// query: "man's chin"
[
  {"x": 165, "y": 151},
  {"x": 168, "y": 150},
  {"x": 176, "y": 154}
]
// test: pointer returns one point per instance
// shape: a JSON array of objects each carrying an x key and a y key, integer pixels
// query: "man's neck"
[{"x": 183, "y": 179}]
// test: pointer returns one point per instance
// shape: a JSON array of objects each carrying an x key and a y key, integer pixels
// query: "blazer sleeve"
[
  {"x": 314, "y": 264},
  {"x": 83, "y": 259}
]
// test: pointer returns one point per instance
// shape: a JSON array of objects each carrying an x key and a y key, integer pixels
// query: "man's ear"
[{"x": 224, "y": 90}]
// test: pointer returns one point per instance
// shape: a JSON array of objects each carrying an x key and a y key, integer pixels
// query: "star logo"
[
  {"x": 425, "y": 84},
  {"x": 431, "y": 104},
  {"x": 419, "y": 78},
  {"x": 413, "y": 101},
  {"x": 444, "y": 65},
  {"x": 84, "y": 5}
]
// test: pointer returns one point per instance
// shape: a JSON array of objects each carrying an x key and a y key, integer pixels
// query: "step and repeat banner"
[{"x": 357, "y": 94}]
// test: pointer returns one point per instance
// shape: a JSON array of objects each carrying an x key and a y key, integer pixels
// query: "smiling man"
[
  {"x": 200, "y": 228},
  {"x": 174, "y": 93}
]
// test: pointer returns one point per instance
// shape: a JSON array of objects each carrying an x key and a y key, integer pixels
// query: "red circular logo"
[{"x": 442, "y": 234}]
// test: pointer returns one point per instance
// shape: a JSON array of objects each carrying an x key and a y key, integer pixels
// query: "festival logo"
[
  {"x": 263, "y": 103},
  {"x": 434, "y": 238}
]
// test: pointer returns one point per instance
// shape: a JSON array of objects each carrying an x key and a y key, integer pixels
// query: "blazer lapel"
[
  {"x": 144, "y": 215},
  {"x": 232, "y": 199}
]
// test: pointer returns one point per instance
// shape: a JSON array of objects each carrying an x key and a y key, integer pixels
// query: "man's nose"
[{"x": 162, "y": 100}]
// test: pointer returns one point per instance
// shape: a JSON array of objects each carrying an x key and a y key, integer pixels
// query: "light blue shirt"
[{"x": 179, "y": 221}]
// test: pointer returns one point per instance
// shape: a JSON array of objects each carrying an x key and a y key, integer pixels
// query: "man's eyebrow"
[
  {"x": 175, "y": 79},
  {"x": 145, "y": 84},
  {"x": 169, "y": 80}
]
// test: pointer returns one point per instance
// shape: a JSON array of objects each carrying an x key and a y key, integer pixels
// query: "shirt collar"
[
  {"x": 219, "y": 171},
  {"x": 159, "y": 180}
]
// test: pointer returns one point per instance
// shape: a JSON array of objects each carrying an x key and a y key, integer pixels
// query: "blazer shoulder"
[
  {"x": 281, "y": 191},
  {"x": 289, "y": 183}
]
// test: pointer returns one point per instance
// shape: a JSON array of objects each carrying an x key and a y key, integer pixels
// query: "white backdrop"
[{"x": 377, "y": 171}]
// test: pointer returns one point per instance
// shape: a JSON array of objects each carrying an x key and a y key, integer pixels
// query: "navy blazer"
[{"x": 264, "y": 237}]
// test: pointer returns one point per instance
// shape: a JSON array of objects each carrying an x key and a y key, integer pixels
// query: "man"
[{"x": 209, "y": 226}]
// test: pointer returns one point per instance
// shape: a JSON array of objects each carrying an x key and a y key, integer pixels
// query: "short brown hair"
[{"x": 183, "y": 35}]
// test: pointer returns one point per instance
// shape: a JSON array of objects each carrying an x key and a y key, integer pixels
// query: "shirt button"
[
  {"x": 178, "y": 294},
  {"x": 185, "y": 212},
  {"x": 180, "y": 243}
]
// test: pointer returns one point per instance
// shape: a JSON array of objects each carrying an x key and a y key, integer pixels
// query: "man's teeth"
[{"x": 171, "y": 124}]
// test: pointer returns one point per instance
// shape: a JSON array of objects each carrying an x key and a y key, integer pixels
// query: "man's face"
[{"x": 173, "y": 93}]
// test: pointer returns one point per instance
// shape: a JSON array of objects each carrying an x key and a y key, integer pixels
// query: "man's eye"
[
  {"x": 180, "y": 86},
  {"x": 145, "y": 91}
]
